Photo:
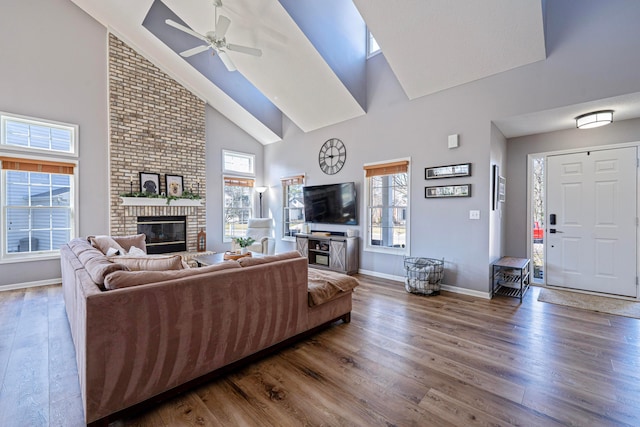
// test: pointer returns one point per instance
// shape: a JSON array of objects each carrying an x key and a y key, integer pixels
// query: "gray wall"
[
  {"x": 221, "y": 134},
  {"x": 518, "y": 150},
  {"x": 593, "y": 52},
  {"x": 54, "y": 67}
]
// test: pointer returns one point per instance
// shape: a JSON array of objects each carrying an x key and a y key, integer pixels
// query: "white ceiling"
[{"x": 430, "y": 45}]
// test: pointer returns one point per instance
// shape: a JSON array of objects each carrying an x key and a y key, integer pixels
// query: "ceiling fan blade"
[
  {"x": 226, "y": 60},
  {"x": 222, "y": 26},
  {"x": 186, "y": 30},
  {"x": 244, "y": 49},
  {"x": 194, "y": 50}
]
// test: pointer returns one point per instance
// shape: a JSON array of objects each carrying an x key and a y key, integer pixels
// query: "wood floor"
[{"x": 448, "y": 360}]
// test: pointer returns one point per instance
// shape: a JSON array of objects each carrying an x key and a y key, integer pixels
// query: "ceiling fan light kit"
[
  {"x": 594, "y": 119},
  {"x": 215, "y": 40}
]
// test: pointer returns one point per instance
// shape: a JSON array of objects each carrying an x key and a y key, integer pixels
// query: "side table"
[{"x": 507, "y": 274}]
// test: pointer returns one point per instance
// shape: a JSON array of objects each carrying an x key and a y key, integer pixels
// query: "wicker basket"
[{"x": 423, "y": 275}]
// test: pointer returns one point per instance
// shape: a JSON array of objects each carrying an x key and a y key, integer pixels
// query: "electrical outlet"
[{"x": 474, "y": 214}]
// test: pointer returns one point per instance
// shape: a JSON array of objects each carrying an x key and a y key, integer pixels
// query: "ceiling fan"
[{"x": 215, "y": 39}]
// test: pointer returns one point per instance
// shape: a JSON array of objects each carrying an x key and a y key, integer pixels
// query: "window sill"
[
  {"x": 29, "y": 258},
  {"x": 159, "y": 201},
  {"x": 388, "y": 251}
]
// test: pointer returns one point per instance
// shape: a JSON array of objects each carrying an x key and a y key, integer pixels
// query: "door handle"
[{"x": 554, "y": 231}]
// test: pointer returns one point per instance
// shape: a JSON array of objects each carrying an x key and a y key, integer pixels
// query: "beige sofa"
[{"x": 144, "y": 340}]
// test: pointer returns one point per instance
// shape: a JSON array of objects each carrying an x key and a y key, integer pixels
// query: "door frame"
[{"x": 544, "y": 155}]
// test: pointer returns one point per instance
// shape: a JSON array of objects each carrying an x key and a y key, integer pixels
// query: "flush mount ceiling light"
[{"x": 594, "y": 119}]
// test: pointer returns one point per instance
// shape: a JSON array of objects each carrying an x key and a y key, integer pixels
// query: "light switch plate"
[
  {"x": 474, "y": 214},
  {"x": 453, "y": 141}
]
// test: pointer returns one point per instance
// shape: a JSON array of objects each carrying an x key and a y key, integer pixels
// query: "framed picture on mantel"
[{"x": 149, "y": 182}]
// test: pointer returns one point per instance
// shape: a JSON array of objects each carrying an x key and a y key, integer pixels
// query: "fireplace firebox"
[{"x": 164, "y": 233}]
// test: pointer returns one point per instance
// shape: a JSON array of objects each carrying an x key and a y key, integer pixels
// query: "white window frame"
[
  {"x": 368, "y": 247},
  {"x": 285, "y": 199},
  {"x": 371, "y": 50},
  {"x": 8, "y": 117},
  {"x": 225, "y": 238},
  {"x": 250, "y": 157},
  {"x": 37, "y": 154}
]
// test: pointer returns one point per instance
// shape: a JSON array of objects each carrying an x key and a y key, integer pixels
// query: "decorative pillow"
[
  {"x": 136, "y": 251},
  {"x": 117, "y": 280},
  {"x": 135, "y": 240},
  {"x": 249, "y": 261},
  {"x": 104, "y": 243},
  {"x": 150, "y": 262}
]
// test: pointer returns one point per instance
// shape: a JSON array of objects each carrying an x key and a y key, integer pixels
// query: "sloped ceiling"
[{"x": 314, "y": 60}]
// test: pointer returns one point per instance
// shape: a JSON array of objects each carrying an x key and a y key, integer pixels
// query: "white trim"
[
  {"x": 449, "y": 288},
  {"x": 158, "y": 201},
  {"x": 35, "y": 284},
  {"x": 365, "y": 238},
  {"x": 4, "y": 116},
  {"x": 239, "y": 154}
]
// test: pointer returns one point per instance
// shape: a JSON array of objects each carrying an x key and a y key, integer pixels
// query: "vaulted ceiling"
[{"x": 313, "y": 63}]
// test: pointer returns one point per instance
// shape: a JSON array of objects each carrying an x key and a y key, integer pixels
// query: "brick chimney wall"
[{"x": 156, "y": 126}]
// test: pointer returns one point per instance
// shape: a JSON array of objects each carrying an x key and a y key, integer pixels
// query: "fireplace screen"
[{"x": 164, "y": 233}]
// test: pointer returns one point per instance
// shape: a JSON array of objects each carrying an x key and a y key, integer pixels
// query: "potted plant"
[{"x": 244, "y": 242}]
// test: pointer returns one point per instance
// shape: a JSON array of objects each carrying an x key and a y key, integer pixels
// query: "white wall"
[
  {"x": 54, "y": 67},
  {"x": 593, "y": 52}
]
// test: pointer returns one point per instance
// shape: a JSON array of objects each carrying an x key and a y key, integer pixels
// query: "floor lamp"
[{"x": 261, "y": 191}]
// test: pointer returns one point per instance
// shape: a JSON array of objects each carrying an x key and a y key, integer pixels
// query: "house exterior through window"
[
  {"x": 387, "y": 190},
  {"x": 37, "y": 181},
  {"x": 292, "y": 206}
]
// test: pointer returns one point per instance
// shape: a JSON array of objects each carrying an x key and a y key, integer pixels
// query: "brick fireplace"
[{"x": 155, "y": 126}]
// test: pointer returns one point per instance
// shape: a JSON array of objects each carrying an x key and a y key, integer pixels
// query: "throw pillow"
[
  {"x": 249, "y": 261},
  {"x": 135, "y": 278},
  {"x": 133, "y": 250},
  {"x": 150, "y": 262},
  {"x": 104, "y": 243},
  {"x": 134, "y": 240}
]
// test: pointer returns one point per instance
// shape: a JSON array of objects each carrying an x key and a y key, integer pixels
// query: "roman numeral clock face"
[{"x": 332, "y": 156}]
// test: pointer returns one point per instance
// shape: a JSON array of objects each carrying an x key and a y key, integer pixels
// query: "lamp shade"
[
  {"x": 261, "y": 190},
  {"x": 594, "y": 119}
]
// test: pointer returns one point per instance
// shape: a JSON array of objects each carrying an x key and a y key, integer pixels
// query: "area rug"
[{"x": 591, "y": 302}]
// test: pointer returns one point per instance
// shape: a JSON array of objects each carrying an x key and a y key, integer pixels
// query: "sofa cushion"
[
  {"x": 137, "y": 240},
  {"x": 105, "y": 243},
  {"x": 150, "y": 262},
  {"x": 249, "y": 261},
  {"x": 125, "y": 279},
  {"x": 96, "y": 263}
]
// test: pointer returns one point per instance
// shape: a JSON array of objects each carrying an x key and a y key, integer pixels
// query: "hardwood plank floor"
[{"x": 404, "y": 360}]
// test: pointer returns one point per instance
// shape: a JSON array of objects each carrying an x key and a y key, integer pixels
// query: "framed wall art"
[
  {"x": 450, "y": 171},
  {"x": 495, "y": 175},
  {"x": 439, "y": 191},
  {"x": 149, "y": 182},
  {"x": 174, "y": 185}
]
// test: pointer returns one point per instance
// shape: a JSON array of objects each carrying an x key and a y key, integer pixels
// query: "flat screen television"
[{"x": 331, "y": 204}]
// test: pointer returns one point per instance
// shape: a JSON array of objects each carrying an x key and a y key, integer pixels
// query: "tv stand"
[{"x": 333, "y": 252}]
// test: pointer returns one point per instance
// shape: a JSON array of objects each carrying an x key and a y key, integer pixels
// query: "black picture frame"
[
  {"x": 443, "y": 191},
  {"x": 150, "y": 182},
  {"x": 495, "y": 176},
  {"x": 448, "y": 171},
  {"x": 174, "y": 185}
]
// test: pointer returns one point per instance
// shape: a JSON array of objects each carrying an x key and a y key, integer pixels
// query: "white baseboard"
[
  {"x": 454, "y": 289},
  {"x": 25, "y": 285}
]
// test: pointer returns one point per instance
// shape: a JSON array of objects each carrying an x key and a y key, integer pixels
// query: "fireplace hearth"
[{"x": 164, "y": 233}]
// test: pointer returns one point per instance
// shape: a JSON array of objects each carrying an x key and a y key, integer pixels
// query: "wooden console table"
[{"x": 509, "y": 272}]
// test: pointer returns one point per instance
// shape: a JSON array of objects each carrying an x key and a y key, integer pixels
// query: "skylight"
[{"x": 372, "y": 45}]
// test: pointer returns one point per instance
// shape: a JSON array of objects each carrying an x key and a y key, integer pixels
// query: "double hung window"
[
  {"x": 292, "y": 206},
  {"x": 387, "y": 190},
  {"x": 37, "y": 183}
]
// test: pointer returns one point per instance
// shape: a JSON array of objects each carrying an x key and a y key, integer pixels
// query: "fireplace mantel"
[{"x": 159, "y": 201}]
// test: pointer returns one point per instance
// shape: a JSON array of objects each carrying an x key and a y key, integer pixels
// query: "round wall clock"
[{"x": 332, "y": 156}]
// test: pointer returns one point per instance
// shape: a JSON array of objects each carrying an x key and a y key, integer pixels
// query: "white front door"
[{"x": 591, "y": 221}]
